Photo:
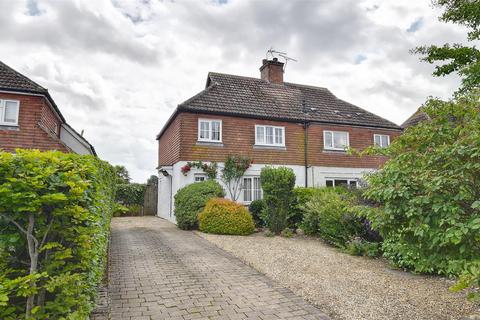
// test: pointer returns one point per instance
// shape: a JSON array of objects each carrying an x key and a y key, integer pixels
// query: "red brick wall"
[
  {"x": 35, "y": 119},
  {"x": 169, "y": 144},
  {"x": 238, "y": 135}
]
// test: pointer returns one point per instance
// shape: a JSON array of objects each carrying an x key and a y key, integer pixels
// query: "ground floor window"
[
  {"x": 341, "y": 182},
  {"x": 251, "y": 189},
  {"x": 199, "y": 177}
]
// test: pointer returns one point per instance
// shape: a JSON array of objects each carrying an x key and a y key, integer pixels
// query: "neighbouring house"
[
  {"x": 415, "y": 118},
  {"x": 30, "y": 119},
  {"x": 302, "y": 127}
]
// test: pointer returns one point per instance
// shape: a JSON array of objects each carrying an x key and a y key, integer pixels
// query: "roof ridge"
[{"x": 22, "y": 76}]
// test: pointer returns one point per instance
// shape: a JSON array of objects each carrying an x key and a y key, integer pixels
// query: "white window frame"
[
  {"x": 349, "y": 180},
  {"x": 3, "y": 109},
  {"x": 210, "y": 121},
  {"x": 381, "y": 135},
  {"x": 252, "y": 189},
  {"x": 333, "y": 139},
  {"x": 264, "y": 143}
]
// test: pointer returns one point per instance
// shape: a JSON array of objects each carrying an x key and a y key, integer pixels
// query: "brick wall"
[
  {"x": 169, "y": 144},
  {"x": 36, "y": 122},
  {"x": 179, "y": 142}
]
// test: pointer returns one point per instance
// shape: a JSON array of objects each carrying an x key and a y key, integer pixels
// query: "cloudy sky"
[{"x": 118, "y": 68}]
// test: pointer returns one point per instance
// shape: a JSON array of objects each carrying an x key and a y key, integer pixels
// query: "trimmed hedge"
[
  {"x": 223, "y": 216},
  {"x": 130, "y": 194},
  {"x": 191, "y": 199},
  {"x": 256, "y": 208},
  {"x": 66, "y": 200},
  {"x": 277, "y": 185}
]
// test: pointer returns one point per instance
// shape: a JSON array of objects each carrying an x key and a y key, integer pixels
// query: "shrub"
[
  {"x": 277, "y": 185},
  {"x": 131, "y": 193},
  {"x": 297, "y": 211},
  {"x": 64, "y": 203},
  {"x": 222, "y": 216},
  {"x": 256, "y": 207},
  {"x": 360, "y": 247},
  {"x": 287, "y": 233},
  {"x": 429, "y": 190},
  {"x": 191, "y": 199},
  {"x": 328, "y": 215}
]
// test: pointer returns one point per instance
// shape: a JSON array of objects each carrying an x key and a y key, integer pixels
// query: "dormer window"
[
  {"x": 9, "y": 112},
  {"x": 209, "y": 130},
  {"x": 336, "y": 140},
  {"x": 381, "y": 140}
]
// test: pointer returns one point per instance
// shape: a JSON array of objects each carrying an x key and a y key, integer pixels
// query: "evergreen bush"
[
  {"x": 191, "y": 199},
  {"x": 223, "y": 216}
]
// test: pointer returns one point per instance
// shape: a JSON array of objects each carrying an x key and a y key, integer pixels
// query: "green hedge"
[
  {"x": 223, "y": 216},
  {"x": 191, "y": 199},
  {"x": 67, "y": 202},
  {"x": 277, "y": 185},
  {"x": 256, "y": 208},
  {"x": 131, "y": 193}
]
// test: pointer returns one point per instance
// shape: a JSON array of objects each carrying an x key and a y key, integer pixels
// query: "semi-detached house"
[
  {"x": 275, "y": 123},
  {"x": 30, "y": 119}
]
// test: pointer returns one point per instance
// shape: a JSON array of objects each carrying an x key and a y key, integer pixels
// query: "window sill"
[
  {"x": 335, "y": 151},
  {"x": 209, "y": 144},
  {"x": 13, "y": 127},
  {"x": 266, "y": 147}
]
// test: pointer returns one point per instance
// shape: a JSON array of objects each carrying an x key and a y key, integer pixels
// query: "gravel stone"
[{"x": 344, "y": 286}]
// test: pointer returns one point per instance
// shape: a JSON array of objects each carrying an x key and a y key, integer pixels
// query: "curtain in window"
[
  {"x": 204, "y": 130},
  {"x": 216, "y": 130},
  {"x": 247, "y": 189},
  {"x": 340, "y": 139}
]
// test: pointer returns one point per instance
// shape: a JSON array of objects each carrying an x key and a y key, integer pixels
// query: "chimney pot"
[{"x": 272, "y": 71}]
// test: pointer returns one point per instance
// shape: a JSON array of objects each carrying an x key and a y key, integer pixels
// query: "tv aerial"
[{"x": 274, "y": 53}]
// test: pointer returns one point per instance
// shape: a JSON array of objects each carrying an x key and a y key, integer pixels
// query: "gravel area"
[{"x": 344, "y": 286}]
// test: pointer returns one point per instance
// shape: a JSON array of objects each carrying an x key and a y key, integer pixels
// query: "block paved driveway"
[{"x": 157, "y": 271}]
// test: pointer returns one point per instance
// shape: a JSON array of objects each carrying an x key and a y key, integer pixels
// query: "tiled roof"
[
  {"x": 415, "y": 118},
  {"x": 11, "y": 80},
  {"x": 251, "y": 97}
]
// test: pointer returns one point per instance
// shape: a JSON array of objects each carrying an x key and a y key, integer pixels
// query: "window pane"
[
  {"x": 352, "y": 183},
  {"x": 278, "y": 136},
  {"x": 247, "y": 189},
  {"x": 329, "y": 183},
  {"x": 216, "y": 130},
  {"x": 378, "y": 142},
  {"x": 384, "y": 141},
  {"x": 204, "y": 130},
  {"x": 341, "y": 183},
  {"x": 328, "y": 140},
  {"x": 340, "y": 140},
  {"x": 269, "y": 138},
  {"x": 11, "y": 112},
  {"x": 260, "y": 135},
  {"x": 257, "y": 192}
]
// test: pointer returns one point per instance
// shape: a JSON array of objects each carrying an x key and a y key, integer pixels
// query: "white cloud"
[{"x": 118, "y": 69}]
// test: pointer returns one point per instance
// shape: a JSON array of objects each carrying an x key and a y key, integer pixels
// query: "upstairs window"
[
  {"x": 381, "y": 140},
  {"x": 252, "y": 189},
  {"x": 9, "y": 112},
  {"x": 209, "y": 130},
  {"x": 335, "y": 140},
  {"x": 269, "y": 136}
]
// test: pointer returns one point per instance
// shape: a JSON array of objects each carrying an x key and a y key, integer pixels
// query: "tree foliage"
[
  {"x": 122, "y": 175},
  {"x": 232, "y": 174},
  {"x": 430, "y": 191},
  {"x": 55, "y": 211},
  {"x": 464, "y": 60}
]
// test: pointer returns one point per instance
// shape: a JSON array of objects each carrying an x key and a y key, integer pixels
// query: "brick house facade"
[
  {"x": 30, "y": 119},
  {"x": 274, "y": 123}
]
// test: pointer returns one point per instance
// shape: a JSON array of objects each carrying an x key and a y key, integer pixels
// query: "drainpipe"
[{"x": 305, "y": 147}]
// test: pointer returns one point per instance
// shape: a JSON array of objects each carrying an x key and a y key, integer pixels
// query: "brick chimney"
[{"x": 272, "y": 71}]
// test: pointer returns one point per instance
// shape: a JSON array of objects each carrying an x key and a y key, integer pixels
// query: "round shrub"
[
  {"x": 191, "y": 199},
  {"x": 222, "y": 216},
  {"x": 256, "y": 207}
]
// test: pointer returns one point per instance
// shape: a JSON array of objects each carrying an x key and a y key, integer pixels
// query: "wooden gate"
[{"x": 150, "y": 200}]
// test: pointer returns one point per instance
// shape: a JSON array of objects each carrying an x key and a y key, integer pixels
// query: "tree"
[
  {"x": 430, "y": 217},
  {"x": 457, "y": 58},
  {"x": 122, "y": 174},
  {"x": 232, "y": 174}
]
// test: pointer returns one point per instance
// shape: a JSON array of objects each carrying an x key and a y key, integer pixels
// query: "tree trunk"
[{"x": 33, "y": 252}]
